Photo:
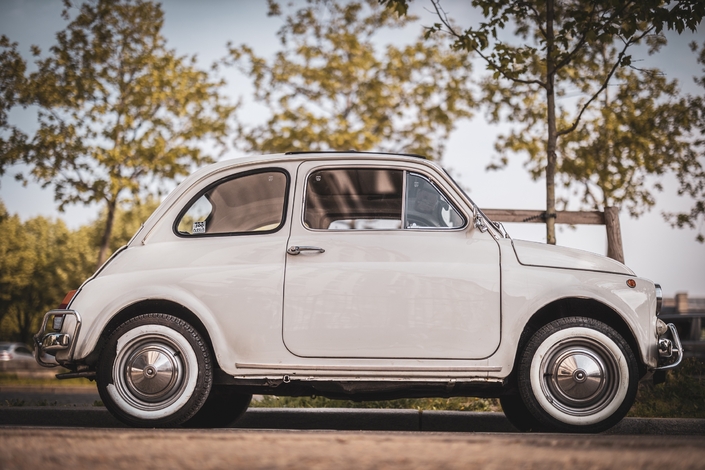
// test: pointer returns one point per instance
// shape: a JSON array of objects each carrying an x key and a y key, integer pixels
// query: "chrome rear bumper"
[
  {"x": 669, "y": 345},
  {"x": 50, "y": 341}
]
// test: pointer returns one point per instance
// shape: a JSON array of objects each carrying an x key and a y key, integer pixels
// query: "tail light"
[{"x": 67, "y": 300}]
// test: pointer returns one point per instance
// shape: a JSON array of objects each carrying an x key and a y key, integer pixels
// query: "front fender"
[{"x": 528, "y": 289}]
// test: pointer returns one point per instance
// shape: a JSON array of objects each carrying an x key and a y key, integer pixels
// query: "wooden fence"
[{"x": 609, "y": 218}]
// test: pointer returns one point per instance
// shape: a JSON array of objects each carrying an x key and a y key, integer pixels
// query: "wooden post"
[{"x": 614, "y": 234}]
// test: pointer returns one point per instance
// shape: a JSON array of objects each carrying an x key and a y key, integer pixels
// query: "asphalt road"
[
  {"x": 89, "y": 437},
  {"x": 47, "y": 448}
]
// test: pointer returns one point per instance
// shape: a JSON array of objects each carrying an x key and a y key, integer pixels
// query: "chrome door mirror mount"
[{"x": 479, "y": 220}]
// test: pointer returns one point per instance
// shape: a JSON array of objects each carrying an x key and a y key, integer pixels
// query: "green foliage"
[
  {"x": 40, "y": 260},
  {"x": 638, "y": 131},
  {"x": 682, "y": 396},
  {"x": 12, "y": 82},
  {"x": 454, "y": 404},
  {"x": 119, "y": 112},
  {"x": 691, "y": 165},
  {"x": 329, "y": 87}
]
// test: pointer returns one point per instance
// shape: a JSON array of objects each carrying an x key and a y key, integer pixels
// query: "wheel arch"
[
  {"x": 571, "y": 307},
  {"x": 151, "y": 306}
]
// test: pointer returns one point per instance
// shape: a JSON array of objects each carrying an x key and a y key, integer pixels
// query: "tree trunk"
[
  {"x": 552, "y": 137},
  {"x": 107, "y": 233},
  {"x": 614, "y": 234}
]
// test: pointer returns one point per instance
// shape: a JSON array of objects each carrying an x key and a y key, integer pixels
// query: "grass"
[
  {"x": 682, "y": 396},
  {"x": 8, "y": 378},
  {"x": 454, "y": 404}
]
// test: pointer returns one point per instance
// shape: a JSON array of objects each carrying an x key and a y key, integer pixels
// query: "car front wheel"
[
  {"x": 155, "y": 371},
  {"x": 578, "y": 375}
]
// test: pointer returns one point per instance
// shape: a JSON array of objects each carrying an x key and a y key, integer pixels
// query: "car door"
[{"x": 377, "y": 268}]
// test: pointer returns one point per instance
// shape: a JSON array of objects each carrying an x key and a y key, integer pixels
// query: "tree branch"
[
  {"x": 442, "y": 15},
  {"x": 617, "y": 62}
]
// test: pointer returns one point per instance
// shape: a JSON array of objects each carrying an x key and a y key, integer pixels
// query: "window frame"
[
  {"x": 430, "y": 181},
  {"x": 202, "y": 192},
  {"x": 405, "y": 173}
]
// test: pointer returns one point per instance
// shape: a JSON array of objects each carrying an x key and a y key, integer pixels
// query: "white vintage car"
[{"x": 360, "y": 276}]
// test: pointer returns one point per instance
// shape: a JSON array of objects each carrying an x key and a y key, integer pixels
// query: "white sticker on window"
[{"x": 199, "y": 227}]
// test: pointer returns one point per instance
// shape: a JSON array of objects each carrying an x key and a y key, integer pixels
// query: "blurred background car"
[
  {"x": 14, "y": 356},
  {"x": 15, "y": 352}
]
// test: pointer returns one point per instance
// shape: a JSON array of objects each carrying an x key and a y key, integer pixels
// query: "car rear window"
[{"x": 247, "y": 203}]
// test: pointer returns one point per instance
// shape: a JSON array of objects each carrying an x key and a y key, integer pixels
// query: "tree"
[
  {"x": 638, "y": 130},
  {"x": 119, "y": 112},
  {"x": 12, "y": 84},
  {"x": 557, "y": 40},
  {"x": 330, "y": 88},
  {"x": 691, "y": 166},
  {"x": 40, "y": 260}
]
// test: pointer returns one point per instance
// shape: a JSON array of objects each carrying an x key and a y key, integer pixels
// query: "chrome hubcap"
[
  {"x": 579, "y": 376},
  {"x": 150, "y": 373}
]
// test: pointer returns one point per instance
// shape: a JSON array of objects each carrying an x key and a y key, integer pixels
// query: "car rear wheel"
[
  {"x": 223, "y": 407},
  {"x": 518, "y": 414},
  {"x": 155, "y": 371},
  {"x": 578, "y": 375}
]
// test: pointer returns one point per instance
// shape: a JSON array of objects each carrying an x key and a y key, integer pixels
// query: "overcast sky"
[{"x": 652, "y": 249}]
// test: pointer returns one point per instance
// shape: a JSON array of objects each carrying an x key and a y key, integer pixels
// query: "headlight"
[{"x": 659, "y": 298}]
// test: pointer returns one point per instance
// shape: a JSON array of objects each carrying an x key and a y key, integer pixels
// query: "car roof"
[{"x": 307, "y": 156}]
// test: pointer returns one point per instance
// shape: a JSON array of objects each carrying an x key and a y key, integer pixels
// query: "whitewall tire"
[
  {"x": 155, "y": 371},
  {"x": 578, "y": 375}
]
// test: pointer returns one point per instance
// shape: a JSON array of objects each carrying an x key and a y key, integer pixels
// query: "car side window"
[
  {"x": 427, "y": 207},
  {"x": 354, "y": 199},
  {"x": 248, "y": 203}
]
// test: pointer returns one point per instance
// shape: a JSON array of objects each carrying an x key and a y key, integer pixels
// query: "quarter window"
[
  {"x": 251, "y": 203},
  {"x": 427, "y": 207}
]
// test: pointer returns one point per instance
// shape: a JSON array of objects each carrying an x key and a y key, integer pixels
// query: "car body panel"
[
  {"x": 525, "y": 290},
  {"x": 536, "y": 254}
]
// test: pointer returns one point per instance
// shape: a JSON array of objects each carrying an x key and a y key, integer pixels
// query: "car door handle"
[{"x": 295, "y": 250}]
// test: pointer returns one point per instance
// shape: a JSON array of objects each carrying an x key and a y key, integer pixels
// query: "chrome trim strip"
[
  {"x": 385, "y": 165},
  {"x": 352, "y": 368}
]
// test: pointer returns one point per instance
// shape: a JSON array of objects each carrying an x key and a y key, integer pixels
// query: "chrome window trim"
[
  {"x": 380, "y": 166},
  {"x": 230, "y": 177},
  {"x": 445, "y": 196}
]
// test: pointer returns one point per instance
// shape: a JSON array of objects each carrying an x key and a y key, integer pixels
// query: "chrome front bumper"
[
  {"x": 51, "y": 341},
  {"x": 670, "y": 350}
]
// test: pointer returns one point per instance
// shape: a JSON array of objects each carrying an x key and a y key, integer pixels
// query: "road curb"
[{"x": 344, "y": 420}]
